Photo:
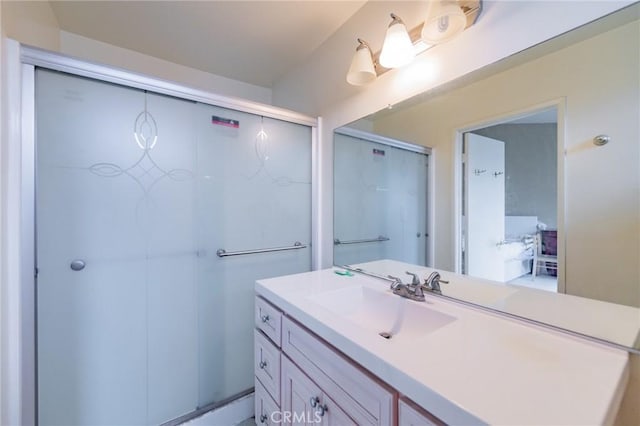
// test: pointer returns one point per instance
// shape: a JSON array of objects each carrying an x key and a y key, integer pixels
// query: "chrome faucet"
[
  {"x": 415, "y": 290},
  {"x": 432, "y": 283},
  {"x": 410, "y": 291}
]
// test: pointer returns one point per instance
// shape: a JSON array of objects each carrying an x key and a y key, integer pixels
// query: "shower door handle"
[{"x": 77, "y": 265}]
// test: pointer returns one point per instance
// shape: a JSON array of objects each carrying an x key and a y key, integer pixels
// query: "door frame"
[
  {"x": 17, "y": 191},
  {"x": 560, "y": 105}
]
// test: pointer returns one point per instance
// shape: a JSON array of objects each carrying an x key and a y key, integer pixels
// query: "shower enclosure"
[
  {"x": 154, "y": 217},
  {"x": 380, "y": 199}
]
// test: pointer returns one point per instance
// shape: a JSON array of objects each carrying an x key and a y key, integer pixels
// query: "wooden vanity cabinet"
[
  {"x": 306, "y": 402},
  {"x": 301, "y": 379},
  {"x": 410, "y": 414},
  {"x": 267, "y": 363}
]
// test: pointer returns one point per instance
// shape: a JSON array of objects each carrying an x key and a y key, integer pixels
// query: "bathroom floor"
[{"x": 542, "y": 282}]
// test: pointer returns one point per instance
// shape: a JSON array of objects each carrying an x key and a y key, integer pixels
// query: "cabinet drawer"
[
  {"x": 266, "y": 410},
  {"x": 409, "y": 414},
  {"x": 363, "y": 398},
  {"x": 267, "y": 365},
  {"x": 268, "y": 319}
]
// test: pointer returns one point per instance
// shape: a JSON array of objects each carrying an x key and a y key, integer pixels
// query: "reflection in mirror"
[
  {"x": 509, "y": 201},
  {"x": 558, "y": 239},
  {"x": 380, "y": 191}
]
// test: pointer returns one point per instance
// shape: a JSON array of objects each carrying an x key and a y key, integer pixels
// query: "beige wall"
[
  {"x": 104, "y": 53},
  {"x": 629, "y": 414},
  {"x": 597, "y": 80},
  {"x": 34, "y": 23}
]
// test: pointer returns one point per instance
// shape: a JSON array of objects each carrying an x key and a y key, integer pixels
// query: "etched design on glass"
[
  {"x": 262, "y": 152},
  {"x": 145, "y": 171},
  {"x": 145, "y": 129}
]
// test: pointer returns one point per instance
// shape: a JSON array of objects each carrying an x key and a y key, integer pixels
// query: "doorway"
[{"x": 509, "y": 200}]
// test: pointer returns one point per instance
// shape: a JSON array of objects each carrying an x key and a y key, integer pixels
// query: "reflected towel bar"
[
  {"x": 372, "y": 240},
  {"x": 295, "y": 246}
]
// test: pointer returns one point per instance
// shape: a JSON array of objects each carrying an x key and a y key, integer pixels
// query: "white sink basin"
[{"x": 383, "y": 312}]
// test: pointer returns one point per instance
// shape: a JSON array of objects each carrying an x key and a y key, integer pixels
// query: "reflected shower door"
[
  {"x": 379, "y": 191},
  {"x": 138, "y": 320}
]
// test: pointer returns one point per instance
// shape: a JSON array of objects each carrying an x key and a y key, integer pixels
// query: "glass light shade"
[
  {"x": 362, "y": 71},
  {"x": 445, "y": 20},
  {"x": 397, "y": 49}
]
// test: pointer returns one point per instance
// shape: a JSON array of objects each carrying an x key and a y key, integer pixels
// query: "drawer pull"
[
  {"x": 262, "y": 364},
  {"x": 322, "y": 409},
  {"x": 263, "y": 418},
  {"x": 265, "y": 318},
  {"x": 314, "y": 401}
]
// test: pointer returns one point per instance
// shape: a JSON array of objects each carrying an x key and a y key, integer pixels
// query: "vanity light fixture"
[
  {"x": 362, "y": 70},
  {"x": 397, "y": 49},
  {"x": 445, "y": 20}
]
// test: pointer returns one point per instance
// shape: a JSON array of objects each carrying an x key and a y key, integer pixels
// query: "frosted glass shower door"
[
  {"x": 139, "y": 321},
  {"x": 116, "y": 253},
  {"x": 255, "y": 193},
  {"x": 379, "y": 191}
]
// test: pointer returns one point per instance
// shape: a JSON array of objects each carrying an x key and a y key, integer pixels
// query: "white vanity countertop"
[
  {"x": 608, "y": 321},
  {"x": 480, "y": 368}
]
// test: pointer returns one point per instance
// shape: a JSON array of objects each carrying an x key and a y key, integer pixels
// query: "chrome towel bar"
[
  {"x": 372, "y": 240},
  {"x": 223, "y": 253}
]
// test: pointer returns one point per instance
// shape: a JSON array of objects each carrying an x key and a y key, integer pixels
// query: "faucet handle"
[
  {"x": 396, "y": 282},
  {"x": 433, "y": 281},
  {"x": 415, "y": 280}
]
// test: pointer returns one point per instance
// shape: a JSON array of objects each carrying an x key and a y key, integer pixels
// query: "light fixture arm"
[
  {"x": 395, "y": 19},
  {"x": 363, "y": 45}
]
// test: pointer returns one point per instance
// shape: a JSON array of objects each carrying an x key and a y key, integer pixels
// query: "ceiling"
[{"x": 252, "y": 41}]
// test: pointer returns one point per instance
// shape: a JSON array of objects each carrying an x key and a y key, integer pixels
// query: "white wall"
[{"x": 602, "y": 217}]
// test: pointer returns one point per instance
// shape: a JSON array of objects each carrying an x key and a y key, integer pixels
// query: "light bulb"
[{"x": 397, "y": 49}]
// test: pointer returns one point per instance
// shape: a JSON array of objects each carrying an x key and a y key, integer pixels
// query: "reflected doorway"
[{"x": 509, "y": 220}]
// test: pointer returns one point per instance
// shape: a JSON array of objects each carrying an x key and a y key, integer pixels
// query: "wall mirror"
[{"x": 524, "y": 176}]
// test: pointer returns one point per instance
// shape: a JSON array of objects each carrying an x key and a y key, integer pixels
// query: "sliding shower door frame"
[
  {"x": 418, "y": 149},
  {"x": 19, "y": 275}
]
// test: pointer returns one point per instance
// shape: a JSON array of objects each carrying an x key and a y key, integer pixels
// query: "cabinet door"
[
  {"x": 304, "y": 403},
  {"x": 332, "y": 414},
  {"x": 267, "y": 365},
  {"x": 364, "y": 399},
  {"x": 300, "y": 396},
  {"x": 266, "y": 410}
]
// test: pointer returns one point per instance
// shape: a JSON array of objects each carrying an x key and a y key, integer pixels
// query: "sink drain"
[{"x": 385, "y": 334}]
